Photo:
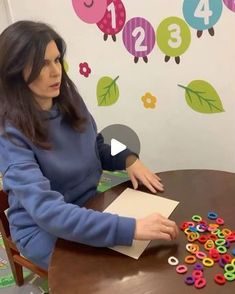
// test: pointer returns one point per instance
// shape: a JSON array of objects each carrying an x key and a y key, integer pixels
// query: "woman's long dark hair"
[{"x": 24, "y": 43}]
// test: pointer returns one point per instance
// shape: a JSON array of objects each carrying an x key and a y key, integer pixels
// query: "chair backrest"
[
  {"x": 14, "y": 256},
  {"x": 4, "y": 224}
]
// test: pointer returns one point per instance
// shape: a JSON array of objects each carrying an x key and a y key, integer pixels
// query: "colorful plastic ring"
[
  {"x": 193, "y": 229},
  {"x": 227, "y": 244},
  {"x": 230, "y": 238},
  {"x": 222, "y": 249},
  {"x": 227, "y": 258},
  {"x": 226, "y": 231},
  {"x": 181, "y": 269},
  {"x": 187, "y": 231},
  {"x": 173, "y": 260},
  {"x": 192, "y": 248},
  {"x": 198, "y": 266},
  {"x": 229, "y": 276},
  {"x": 220, "y": 242},
  {"x": 233, "y": 261},
  {"x": 197, "y": 274},
  {"x": 200, "y": 283},
  {"x": 196, "y": 218},
  {"x": 222, "y": 262},
  {"x": 215, "y": 232},
  {"x": 208, "y": 262},
  {"x": 219, "y": 221},
  {"x": 212, "y": 227},
  {"x": 201, "y": 228},
  {"x": 202, "y": 239},
  {"x": 200, "y": 255},
  {"x": 233, "y": 251},
  {"x": 212, "y": 215},
  {"x": 230, "y": 268},
  {"x": 212, "y": 237},
  {"x": 214, "y": 254},
  {"x": 190, "y": 259},
  {"x": 184, "y": 226},
  {"x": 209, "y": 244},
  {"x": 193, "y": 236},
  {"x": 219, "y": 279},
  {"x": 189, "y": 280},
  {"x": 221, "y": 235}
]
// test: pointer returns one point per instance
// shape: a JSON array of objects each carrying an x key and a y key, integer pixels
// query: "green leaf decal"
[
  {"x": 107, "y": 91},
  {"x": 202, "y": 97}
]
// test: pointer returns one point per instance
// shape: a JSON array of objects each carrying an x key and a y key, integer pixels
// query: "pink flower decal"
[{"x": 84, "y": 69}]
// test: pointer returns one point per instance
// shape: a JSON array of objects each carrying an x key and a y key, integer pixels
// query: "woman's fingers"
[
  {"x": 154, "y": 182},
  {"x": 134, "y": 182},
  {"x": 154, "y": 227}
]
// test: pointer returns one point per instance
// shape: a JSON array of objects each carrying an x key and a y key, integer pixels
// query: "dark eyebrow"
[{"x": 57, "y": 57}]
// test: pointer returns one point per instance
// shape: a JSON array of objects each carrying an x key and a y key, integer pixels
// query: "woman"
[{"x": 51, "y": 157}]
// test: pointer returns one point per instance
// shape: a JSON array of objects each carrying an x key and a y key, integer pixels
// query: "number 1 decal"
[{"x": 111, "y": 8}]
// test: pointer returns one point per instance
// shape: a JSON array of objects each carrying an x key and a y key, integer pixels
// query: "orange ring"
[{"x": 190, "y": 259}]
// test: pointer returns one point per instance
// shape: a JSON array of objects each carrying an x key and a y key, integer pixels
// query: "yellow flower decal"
[{"x": 149, "y": 100}]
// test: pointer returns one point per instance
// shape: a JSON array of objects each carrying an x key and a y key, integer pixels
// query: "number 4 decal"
[{"x": 203, "y": 11}]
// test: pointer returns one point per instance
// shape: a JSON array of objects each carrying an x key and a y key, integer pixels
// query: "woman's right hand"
[{"x": 154, "y": 227}]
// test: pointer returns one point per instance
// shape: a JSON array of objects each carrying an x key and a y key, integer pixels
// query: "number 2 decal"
[
  {"x": 203, "y": 11},
  {"x": 139, "y": 41}
]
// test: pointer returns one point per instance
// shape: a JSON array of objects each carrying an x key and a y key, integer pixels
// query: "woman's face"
[{"x": 47, "y": 85}]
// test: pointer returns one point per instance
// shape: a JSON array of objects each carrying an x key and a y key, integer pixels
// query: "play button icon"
[
  {"x": 116, "y": 147},
  {"x": 120, "y": 138}
]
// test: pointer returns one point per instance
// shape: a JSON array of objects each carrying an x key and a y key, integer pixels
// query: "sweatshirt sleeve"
[{"x": 23, "y": 179}]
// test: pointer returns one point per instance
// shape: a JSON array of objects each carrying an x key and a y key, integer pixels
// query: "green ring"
[
  {"x": 222, "y": 249},
  {"x": 196, "y": 218},
  {"x": 220, "y": 242},
  {"x": 229, "y": 277},
  {"x": 221, "y": 235},
  {"x": 230, "y": 268}
]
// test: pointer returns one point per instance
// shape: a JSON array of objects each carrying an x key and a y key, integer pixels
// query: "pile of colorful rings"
[{"x": 209, "y": 243}]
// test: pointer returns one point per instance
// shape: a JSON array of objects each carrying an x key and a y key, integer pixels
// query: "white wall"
[
  {"x": 173, "y": 136},
  {"x": 5, "y": 18}
]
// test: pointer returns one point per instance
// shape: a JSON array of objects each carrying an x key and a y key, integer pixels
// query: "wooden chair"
[{"x": 16, "y": 260}]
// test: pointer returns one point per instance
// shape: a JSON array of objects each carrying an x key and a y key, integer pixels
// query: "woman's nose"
[{"x": 55, "y": 69}]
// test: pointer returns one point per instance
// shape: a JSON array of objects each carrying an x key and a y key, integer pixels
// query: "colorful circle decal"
[
  {"x": 90, "y": 11},
  {"x": 113, "y": 20},
  {"x": 173, "y": 37},
  {"x": 202, "y": 14},
  {"x": 139, "y": 38},
  {"x": 230, "y": 4}
]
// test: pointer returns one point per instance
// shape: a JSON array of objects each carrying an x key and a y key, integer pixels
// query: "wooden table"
[{"x": 80, "y": 269}]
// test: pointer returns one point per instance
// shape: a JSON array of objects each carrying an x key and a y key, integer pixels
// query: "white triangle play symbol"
[{"x": 116, "y": 147}]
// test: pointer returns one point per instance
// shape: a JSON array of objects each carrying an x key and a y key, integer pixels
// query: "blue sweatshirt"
[{"x": 47, "y": 189}]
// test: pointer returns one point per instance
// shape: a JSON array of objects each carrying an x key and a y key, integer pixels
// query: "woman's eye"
[{"x": 46, "y": 62}]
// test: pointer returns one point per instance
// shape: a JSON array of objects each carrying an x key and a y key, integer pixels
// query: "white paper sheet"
[{"x": 137, "y": 204}]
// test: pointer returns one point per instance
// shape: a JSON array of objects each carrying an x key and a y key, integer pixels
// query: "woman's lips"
[{"x": 55, "y": 86}]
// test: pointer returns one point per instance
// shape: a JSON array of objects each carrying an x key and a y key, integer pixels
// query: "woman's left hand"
[{"x": 139, "y": 173}]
